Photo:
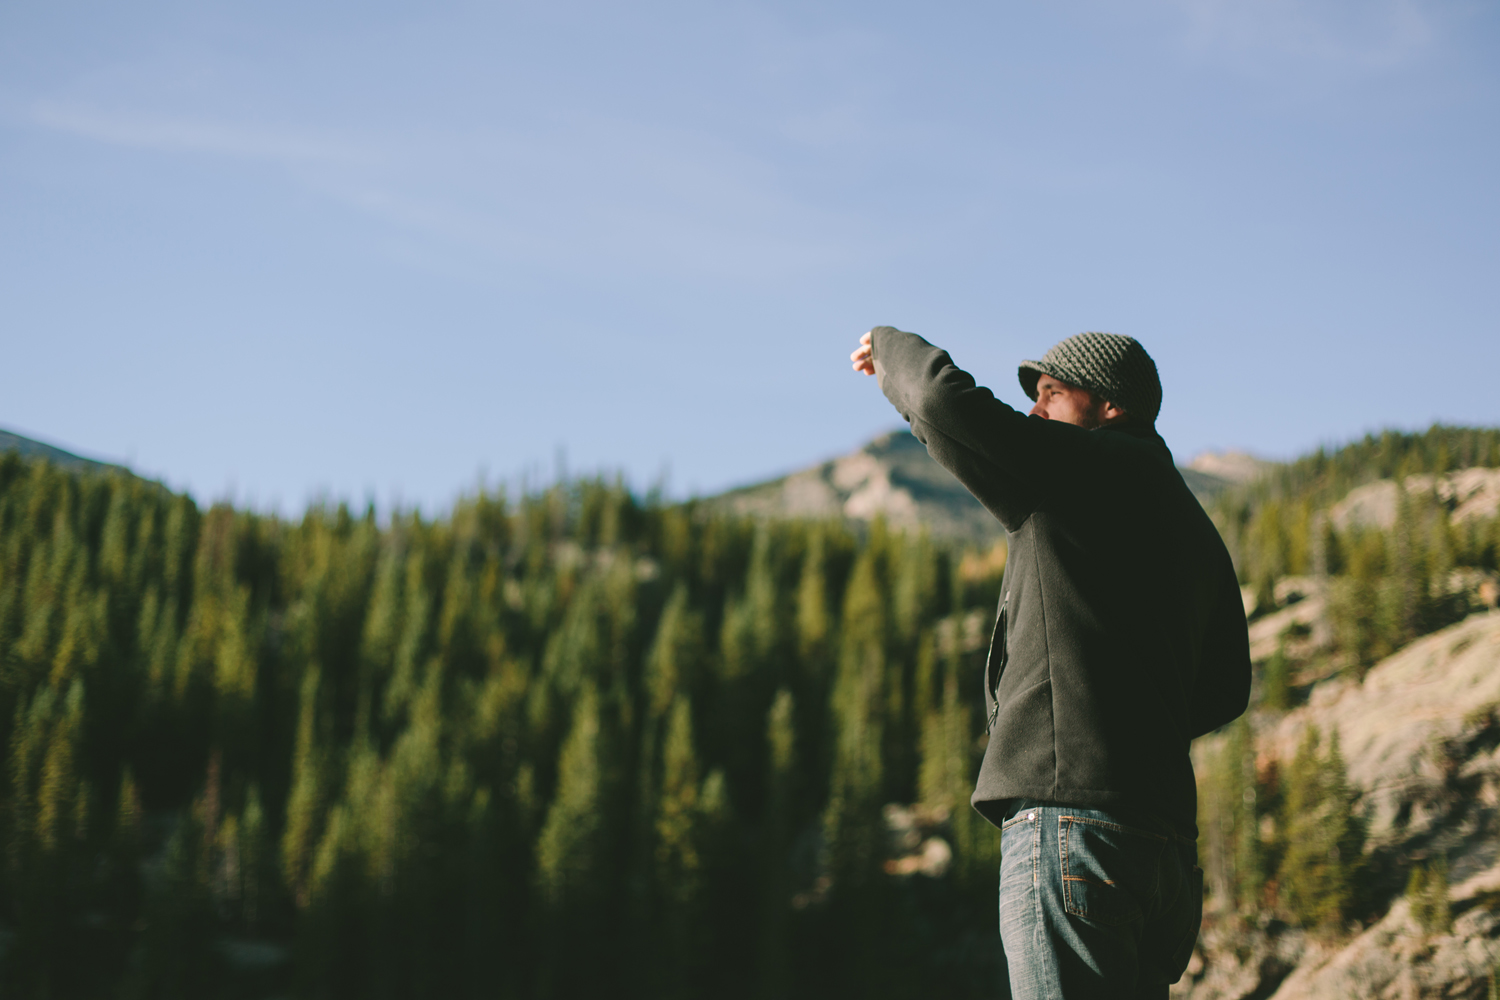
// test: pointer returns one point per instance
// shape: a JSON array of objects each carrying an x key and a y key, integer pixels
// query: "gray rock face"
[
  {"x": 1468, "y": 494},
  {"x": 1421, "y": 741},
  {"x": 1230, "y": 466},
  {"x": 1391, "y": 960},
  {"x": 892, "y": 476},
  {"x": 1394, "y": 959},
  {"x": 1269, "y": 632},
  {"x": 1437, "y": 692}
]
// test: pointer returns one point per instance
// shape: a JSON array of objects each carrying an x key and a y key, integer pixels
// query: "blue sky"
[{"x": 278, "y": 251}]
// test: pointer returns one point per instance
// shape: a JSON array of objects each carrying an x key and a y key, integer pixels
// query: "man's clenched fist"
[{"x": 861, "y": 357}]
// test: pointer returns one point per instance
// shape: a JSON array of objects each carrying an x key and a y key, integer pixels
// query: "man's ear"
[{"x": 1114, "y": 414}]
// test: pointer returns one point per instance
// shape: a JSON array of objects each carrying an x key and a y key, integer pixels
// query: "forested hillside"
[
  {"x": 541, "y": 746},
  {"x": 582, "y": 740},
  {"x": 1337, "y": 805},
  {"x": 1285, "y": 523}
]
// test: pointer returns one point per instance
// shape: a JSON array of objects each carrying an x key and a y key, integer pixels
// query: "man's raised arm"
[{"x": 1006, "y": 459}]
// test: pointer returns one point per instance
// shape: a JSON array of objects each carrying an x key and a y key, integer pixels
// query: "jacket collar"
[{"x": 1145, "y": 433}]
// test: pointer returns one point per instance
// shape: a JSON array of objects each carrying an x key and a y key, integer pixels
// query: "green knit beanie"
[{"x": 1111, "y": 366}]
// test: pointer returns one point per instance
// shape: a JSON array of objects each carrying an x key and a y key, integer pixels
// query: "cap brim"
[{"x": 1030, "y": 373}]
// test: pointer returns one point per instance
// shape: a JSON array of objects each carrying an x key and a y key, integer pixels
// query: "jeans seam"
[
  {"x": 1116, "y": 826},
  {"x": 1062, "y": 860},
  {"x": 1044, "y": 948}
]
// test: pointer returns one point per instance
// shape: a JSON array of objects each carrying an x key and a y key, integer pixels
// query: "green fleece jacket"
[{"x": 1121, "y": 634}]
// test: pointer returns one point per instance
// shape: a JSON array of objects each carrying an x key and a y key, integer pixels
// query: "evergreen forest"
[
  {"x": 580, "y": 739},
  {"x": 574, "y": 741}
]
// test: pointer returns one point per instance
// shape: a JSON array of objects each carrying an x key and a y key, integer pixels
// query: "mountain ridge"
[
  {"x": 893, "y": 476},
  {"x": 32, "y": 448}
]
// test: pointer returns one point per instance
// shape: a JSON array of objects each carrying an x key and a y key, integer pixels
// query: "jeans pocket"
[{"x": 1109, "y": 871}]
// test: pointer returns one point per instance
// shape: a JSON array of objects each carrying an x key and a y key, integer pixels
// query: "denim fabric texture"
[{"x": 1093, "y": 905}]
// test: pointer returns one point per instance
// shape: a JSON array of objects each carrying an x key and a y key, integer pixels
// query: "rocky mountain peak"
[
  {"x": 1230, "y": 466},
  {"x": 894, "y": 477}
]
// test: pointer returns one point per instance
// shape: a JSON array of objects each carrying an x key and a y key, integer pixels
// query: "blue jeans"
[{"x": 1093, "y": 906}]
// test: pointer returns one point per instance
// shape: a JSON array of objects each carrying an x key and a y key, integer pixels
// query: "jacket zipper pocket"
[{"x": 999, "y": 637}]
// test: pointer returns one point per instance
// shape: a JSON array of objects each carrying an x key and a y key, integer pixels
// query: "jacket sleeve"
[
  {"x": 1222, "y": 689},
  {"x": 1009, "y": 461}
]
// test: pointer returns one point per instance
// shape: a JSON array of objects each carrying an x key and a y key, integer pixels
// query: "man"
[{"x": 1120, "y": 637}]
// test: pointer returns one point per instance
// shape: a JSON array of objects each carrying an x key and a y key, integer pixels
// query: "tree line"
[
  {"x": 1388, "y": 585},
  {"x": 571, "y": 740}
]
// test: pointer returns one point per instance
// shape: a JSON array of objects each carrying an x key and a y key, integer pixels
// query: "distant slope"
[
  {"x": 1270, "y": 522},
  {"x": 1328, "y": 474},
  {"x": 1419, "y": 736},
  {"x": 1211, "y": 473},
  {"x": 894, "y": 476},
  {"x": 57, "y": 456}
]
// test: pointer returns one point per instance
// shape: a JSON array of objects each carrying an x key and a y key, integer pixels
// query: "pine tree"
[
  {"x": 253, "y": 858},
  {"x": 1215, "y": 826},
  {"x": 1427, "y": 893},
  {"x": 674, "y": 661},
  {"x": 949, "y": 766},
  {"x": 1249, "y": 857},
  {"x": 913, "y": 595},
  {"x": 1229, "y": 829},
  {"x": 943, "y": 771},
  {"x": 813, "y": 622},
  {"x": 1276, "y": 689},
  {"x": 1417, "y": 897},
  {"x": 677, "y": 859},
  {"x": 773, "y": 965},
  {"x": 1323, "y": 837},
  {"x": 852, "y": 824},
  {"x": 727, "y": 893},
  {"x": 570, "y": 852},
  {"x": 814, "y": 649},
  {"x": 305, "y": 802},
  {"x": 853, "y": 827},
  {"x": 58, "y": 818},
  {"x": 122, "y": 889},
  {"x": 1438, "y": 901},
  {"x": 677, "y": 874},
  {"x": 46, "y": 794}
]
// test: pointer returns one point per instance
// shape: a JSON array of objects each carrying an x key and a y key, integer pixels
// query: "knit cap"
[{"x": 1110, "y": 365}]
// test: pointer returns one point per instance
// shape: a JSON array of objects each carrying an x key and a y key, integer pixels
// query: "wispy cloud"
[
  {"x": 595, "y": 189},
  {"x": 580, "y": 189},
  {"x": 185, "y": 135},
  {"x": 1348, "y": 34}
]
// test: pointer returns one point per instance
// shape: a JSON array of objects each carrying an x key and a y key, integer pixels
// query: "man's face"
[{"x": 1060, "y": 401}]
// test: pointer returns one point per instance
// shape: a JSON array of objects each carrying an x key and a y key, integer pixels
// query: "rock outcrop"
[
  {"x": 1421, "y": 739},
  {"x": 1468, "y": 494},
  {"x": 891, "y": 477},
  {"x": 1230, "y": 466}
]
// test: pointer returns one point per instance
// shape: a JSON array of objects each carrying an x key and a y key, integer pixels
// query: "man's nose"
[{"x": 1037, "y": 411}]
